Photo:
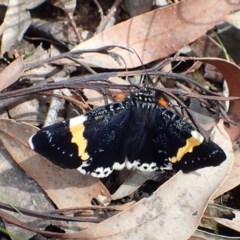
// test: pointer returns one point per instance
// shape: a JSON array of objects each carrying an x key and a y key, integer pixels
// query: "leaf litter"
[{"x": 153, "y": 36}]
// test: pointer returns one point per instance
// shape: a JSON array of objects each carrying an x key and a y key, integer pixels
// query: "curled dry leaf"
[
  {"x": 78, "y": 190},
  {"x": 158, "y": 33}
]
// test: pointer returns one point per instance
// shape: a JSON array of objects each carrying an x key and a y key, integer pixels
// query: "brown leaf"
[
  {"x": 206, "y": 46},
  {"x": 11, "y": 73},
  {"x": 157, "y": 34},
  {"x": 234, "y": 19},
  {"x": 66, "y": 188}
]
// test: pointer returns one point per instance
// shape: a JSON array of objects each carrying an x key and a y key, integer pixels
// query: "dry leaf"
[
  {"x": 11, "y": 73},
  {"x": 157, "y": 34},
  {"x": 206, "y": 46},
  {"x": 234, "y": 19}
]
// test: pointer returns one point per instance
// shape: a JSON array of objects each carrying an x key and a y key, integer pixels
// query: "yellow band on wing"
[
  {"x": 77, "y": 128},
  {"x": 191, "y": 142}
]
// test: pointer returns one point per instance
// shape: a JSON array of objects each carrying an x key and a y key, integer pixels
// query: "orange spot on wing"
[
  {"x": 120, "y": 97},
  {"x": 162, "y": 102}
]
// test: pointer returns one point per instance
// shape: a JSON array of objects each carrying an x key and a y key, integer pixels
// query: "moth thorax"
[
  {"x": 143, "y": 98},
  {"x": 144, "y": 103}
]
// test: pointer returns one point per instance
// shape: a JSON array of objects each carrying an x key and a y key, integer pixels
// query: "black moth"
[{"x": 135, "y": 133}]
